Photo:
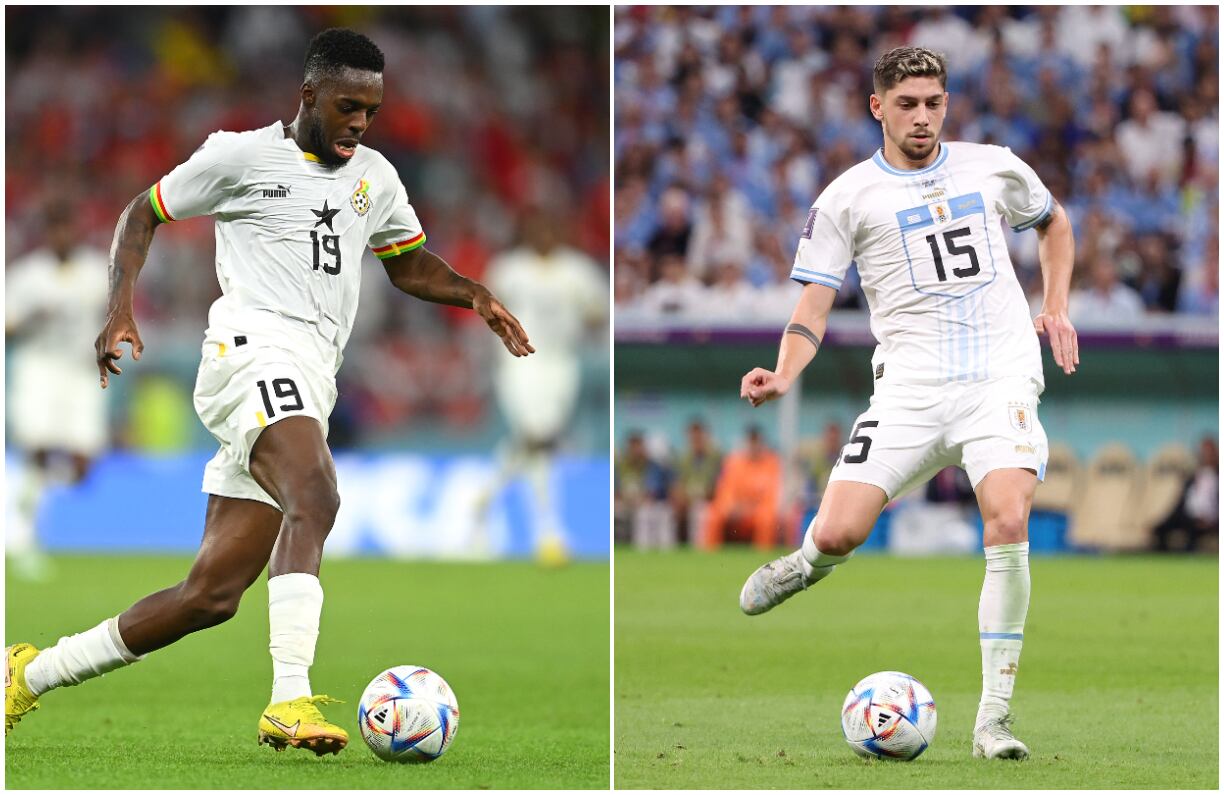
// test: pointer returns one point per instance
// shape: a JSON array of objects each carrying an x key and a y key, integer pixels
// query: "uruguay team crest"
[
  {"x": 939, "y": 211},
  {"x": 361, "y": 200},
  {"x": 1020, "y": 417}
]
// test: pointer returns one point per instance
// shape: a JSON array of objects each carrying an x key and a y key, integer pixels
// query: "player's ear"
[
  {"x": 877, "y": 107},
  {"x": 308, "y": 95}
]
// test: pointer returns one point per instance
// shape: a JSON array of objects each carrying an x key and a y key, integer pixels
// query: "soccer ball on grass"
[
  {"x": 408, "y": 714},
  {"x": 889, "y": 715}
]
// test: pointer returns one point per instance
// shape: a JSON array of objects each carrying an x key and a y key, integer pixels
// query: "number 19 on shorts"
[{"x": 280, "y": 389}]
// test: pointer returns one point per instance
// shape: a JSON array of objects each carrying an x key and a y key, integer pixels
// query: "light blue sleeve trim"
[
  {"x": 812, "y": 280},
  {"x": 807, "y": 272},
  {"x": 1045, "y": 213},
  {"x": 1001, "y": 635}
]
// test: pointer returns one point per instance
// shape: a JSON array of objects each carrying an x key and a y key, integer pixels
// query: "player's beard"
[
  {"x": 317, "y": 139},
  {"x": 913, "y": 151}
]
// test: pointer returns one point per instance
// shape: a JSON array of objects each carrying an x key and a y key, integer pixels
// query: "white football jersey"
[
  {"x": 554, "y": 297},
  {"x": 58, "y": 307},
  {"x": 291, "y": 232},
  {"x": 944, "y": 299}
]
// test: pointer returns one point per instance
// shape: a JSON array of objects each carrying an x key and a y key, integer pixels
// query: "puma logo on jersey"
[{"x": 279, "y": 192}]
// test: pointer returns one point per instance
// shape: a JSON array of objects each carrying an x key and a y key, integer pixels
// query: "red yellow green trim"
[
  {"x": 159, "y": 204},
  {"x": 395, "y": 249}
]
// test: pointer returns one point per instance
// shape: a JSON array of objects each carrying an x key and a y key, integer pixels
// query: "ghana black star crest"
[{"x": 325, "y": 216}]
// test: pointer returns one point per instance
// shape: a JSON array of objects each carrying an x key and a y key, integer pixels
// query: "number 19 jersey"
[
  {"x": 945, "y": 302},
  {"x": 291, "y": 231}
]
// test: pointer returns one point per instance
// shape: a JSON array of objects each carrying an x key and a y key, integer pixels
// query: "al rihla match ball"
[
  {"x": 889, "y": 715},
  {"x": 408, "y": 714}
]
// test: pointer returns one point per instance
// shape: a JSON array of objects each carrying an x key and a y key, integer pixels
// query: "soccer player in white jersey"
[
  {"x": 54, "y": 302},
  {"x": 295, "y": 207},
  {"x": 958, "y": 365},
  {"x": 559, "y": 293}
]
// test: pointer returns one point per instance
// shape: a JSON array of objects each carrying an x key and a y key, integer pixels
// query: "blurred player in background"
[
  {"x": 562, "y": 296},
  {"x": 958, "y": 369},
  {"x": 296, "y": 206},
  {"x": 55, "y": 301}
]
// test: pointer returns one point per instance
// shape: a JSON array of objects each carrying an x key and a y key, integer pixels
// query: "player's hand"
[
  {"x": 761, "y": 386},
  {"x": 1063, "y": 340},
  {"x": 503, "y": 324},
  {"x": 119, "y": 328}
]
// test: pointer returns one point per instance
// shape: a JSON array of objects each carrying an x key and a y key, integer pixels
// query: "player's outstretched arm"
[
  {"x": 423, "y": 274},
  {"x": 800, "y": 341},
  {"x": 1056, "y": 251},
  {"x": 133, "y": 235}
]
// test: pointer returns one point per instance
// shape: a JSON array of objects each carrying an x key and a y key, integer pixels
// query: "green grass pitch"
[
  {"x": 1117, "y": 687},
  {"x": 525, "y": 649}
]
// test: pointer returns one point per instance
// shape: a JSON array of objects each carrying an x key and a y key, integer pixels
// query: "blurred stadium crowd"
[
  {"x": 489, "y": 112},
  {"x": 701, "y": 496},
  {"x": 731, "y": 120}
]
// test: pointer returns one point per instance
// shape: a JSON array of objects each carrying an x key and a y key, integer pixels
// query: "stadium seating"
[
  {"x": 1165, "y": 480},
  {"x": 1107, "y": 516}
]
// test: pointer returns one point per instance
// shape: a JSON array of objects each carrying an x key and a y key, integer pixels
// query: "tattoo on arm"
[
  {"x": 1054, "y": 209},
  {"x": 129, "y": 249},
  {"x": 805, "y": 332}
]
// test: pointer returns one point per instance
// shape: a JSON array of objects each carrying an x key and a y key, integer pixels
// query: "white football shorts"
[
  {"x": 913, "y": 431},
  {"x": 57, "y": 405},
  {"x": 538, "y": 394},
  {"x": 244, "y": 386}
]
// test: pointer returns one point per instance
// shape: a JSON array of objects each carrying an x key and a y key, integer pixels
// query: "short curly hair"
[
  {"x": 335, "y": 48},
  {"x": 902, "y": 62}
]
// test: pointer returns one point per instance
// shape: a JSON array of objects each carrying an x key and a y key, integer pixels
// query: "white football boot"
[
  {"x": 992, "y": 739},
  {"x": 773, "y": 584}
]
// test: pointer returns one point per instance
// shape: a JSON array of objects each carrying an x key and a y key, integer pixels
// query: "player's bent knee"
[
  {"x": 315, "y": 502},
  {"x": 206, "y": 605},
  {"x": 1005, "y": 528},
  {"x": 835, "y": 539}
]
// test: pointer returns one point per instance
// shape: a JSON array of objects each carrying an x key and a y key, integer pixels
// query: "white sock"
[
  {"x": 1001, "y": 614},
  {"x": 816, "y": 564},
  {"x": 79, "y": 657},
  {"x": 548, "y": 528},
  {"x": 295, "y": 602},
  {"x": 21, "y": 536}
]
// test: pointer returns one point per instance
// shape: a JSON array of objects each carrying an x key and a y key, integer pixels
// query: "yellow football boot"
[
  {"x": 300, "y": 724},
  {"x": 18, "y": 700},
  {"x": 551, "y": 552}
]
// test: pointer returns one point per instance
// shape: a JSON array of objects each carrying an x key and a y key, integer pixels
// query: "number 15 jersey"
[
  {"x": 945, "y": 302},
  {"x": 290, "y": 231}
]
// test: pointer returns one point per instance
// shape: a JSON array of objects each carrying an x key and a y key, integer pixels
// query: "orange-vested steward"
[{"x": 746, "y": 499}]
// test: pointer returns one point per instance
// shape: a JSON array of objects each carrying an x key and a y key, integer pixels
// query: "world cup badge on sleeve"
[
  {"x": 361, "y": 200},
  {"x": 811, "y": 223}
]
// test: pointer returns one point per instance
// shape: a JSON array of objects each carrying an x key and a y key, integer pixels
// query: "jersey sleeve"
[
  {"x": 400, "y": 231},
  {"x": 20, "y": 297},
  {"x": 1025, "y": 198},
  {"x": 826, "y": 245},
  {"x": 202, "y": 184}
]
